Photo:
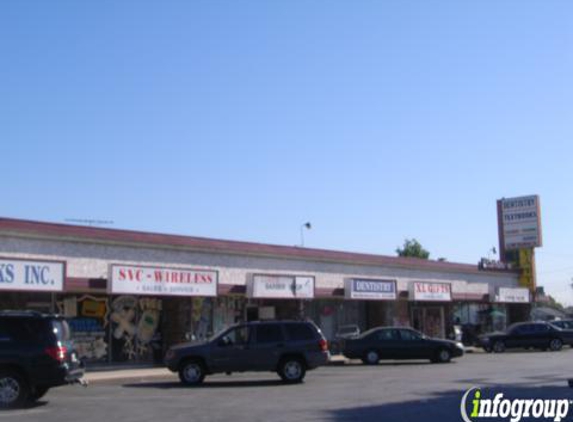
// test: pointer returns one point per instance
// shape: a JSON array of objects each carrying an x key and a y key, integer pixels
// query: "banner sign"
[
  {"x": 527, "y": 266},
  {"x": 281, "y": 287},
  {"x": 470, "y": 291},
  {"x": 370, "y": 289},
  {"x": 431, "y": 292},
  {"x": 34, "y": 276},
  {"x": 520, "y": 222},
  {"x": 512, "y": 295},
  {"x": 128, "y": 279}
]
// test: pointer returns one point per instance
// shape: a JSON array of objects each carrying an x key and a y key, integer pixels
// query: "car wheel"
[
  {"x": 371, "y": 357},
  {"x": 487, "y": 349},
  {"x": 555, "y": 345},
  {"x": 443, "y": 356},
  {"x": 499, "y": 347},
  {"x": 192, "y": 372},
  {"x": 14, "y": 389},
  {"x": 292, "y": 370},
  {"x": 37, "y": 393}
]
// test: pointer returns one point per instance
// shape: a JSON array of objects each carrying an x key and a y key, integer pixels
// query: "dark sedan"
[
  {"x": 399, "y": 343},
  {"x": 527, "y": 335}
]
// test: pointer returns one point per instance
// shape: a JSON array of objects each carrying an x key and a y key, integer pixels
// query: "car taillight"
[
  {"x": 57, "y": 353},
  {"x": 323, "y": 344}
]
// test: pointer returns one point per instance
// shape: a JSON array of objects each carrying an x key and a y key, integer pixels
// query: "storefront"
[
  {"x": 278, "y": 296},
  {"x": 129, "y": 295},
  {"x": 471, "y": 311},
  {"x": 379, "y": 297},
  {"x": 430, "y": 306},
  {"x": 513, "y": 304}
]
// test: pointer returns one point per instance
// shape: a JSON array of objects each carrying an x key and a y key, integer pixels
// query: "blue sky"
[{"x": 376, "y": 120}]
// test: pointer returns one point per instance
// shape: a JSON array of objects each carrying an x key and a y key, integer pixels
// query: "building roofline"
[{"x": 60, "y": 231}]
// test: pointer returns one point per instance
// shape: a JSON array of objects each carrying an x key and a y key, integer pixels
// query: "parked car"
[
  {"x": 399, "y": 343},
  {"x": 344, "y": 332},
  {"x": 532, "y": 335},
  {"x": 36, "y": 354},
  {"x": 289, "y": 348}
]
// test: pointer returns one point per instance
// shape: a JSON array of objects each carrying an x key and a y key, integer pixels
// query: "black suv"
[
  {"x": 35, "y": 355},
  {"x": 289, "y": 348}
]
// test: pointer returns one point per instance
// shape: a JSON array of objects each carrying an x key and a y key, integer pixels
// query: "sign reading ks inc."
[{"x": 44, "y": 276}]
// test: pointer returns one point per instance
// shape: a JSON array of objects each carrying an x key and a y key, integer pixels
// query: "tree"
[
  {"x": 413, "y": 249},
  {"x": 552, "y": 303}
]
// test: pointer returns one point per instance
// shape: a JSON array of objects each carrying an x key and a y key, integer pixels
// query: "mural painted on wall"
[
  {"x": 135, "y": 327},
  {"x": 88, "y": 321}
]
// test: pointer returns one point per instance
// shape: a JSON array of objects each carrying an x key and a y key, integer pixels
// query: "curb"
[{"x": 102, "y": 375}]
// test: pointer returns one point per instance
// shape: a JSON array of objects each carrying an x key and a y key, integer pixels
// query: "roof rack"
[{"x": 27, "y": 313}]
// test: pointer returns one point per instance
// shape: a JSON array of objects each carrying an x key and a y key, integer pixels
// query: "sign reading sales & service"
[
  {"x": 424, "y": 291},
  {"x": 127, "y": 279},
  {"x": 43, "y": 276},
  {"x": 370, "y": 289}
]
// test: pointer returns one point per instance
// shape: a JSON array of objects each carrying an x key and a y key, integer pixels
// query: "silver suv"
[{"x": 289, "y": 348}]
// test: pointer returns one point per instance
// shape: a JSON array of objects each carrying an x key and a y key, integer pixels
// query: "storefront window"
[
  {"x": 88, "y": 318},
  {"x": 227, "y": 311},
  {"x": 331, "y": 315}
]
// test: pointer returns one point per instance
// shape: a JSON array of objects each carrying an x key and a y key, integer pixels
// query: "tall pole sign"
[{"x": 519, "y": 228}]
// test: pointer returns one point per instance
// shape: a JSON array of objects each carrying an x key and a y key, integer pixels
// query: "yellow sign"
[{"x": 527, "y": 266}]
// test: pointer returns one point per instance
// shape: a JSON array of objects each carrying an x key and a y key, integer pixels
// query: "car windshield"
[{"x": 219, "y": 333}]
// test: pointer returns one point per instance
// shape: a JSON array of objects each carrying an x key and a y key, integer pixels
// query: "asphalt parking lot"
[{"x": 391, "y": 391}]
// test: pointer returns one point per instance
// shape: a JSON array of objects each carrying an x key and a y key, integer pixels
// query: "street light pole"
[{"x": 306, "y": 225}]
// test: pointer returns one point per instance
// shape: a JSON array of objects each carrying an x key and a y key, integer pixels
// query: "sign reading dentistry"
[
  {"x": 370, "y": 289},
  {"x": 520, "y": 222},
  {"x": 431, "y": 292},
  {"x": 512, "y": 295},
  {"x": 41, "y": 276},
  {"x": 137, "y": 280},
  {"x": 280, "y": 287}
]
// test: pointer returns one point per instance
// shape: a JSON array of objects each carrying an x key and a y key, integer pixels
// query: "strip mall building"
[{"x": 128, "y": 294}]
